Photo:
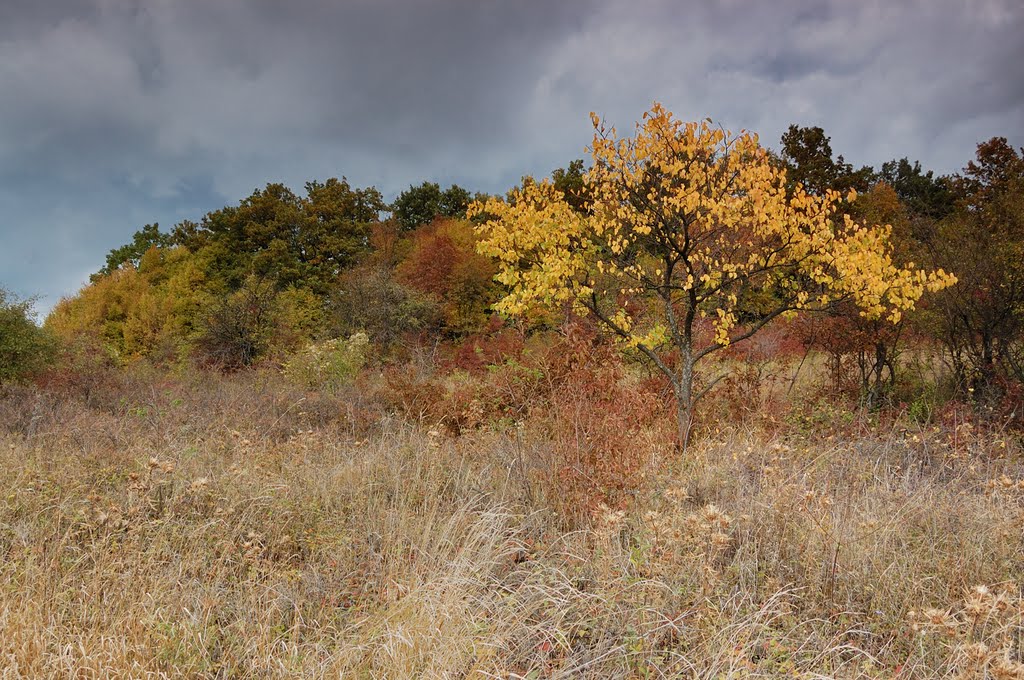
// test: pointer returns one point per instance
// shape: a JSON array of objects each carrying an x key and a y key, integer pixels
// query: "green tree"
[
  {"x": 296, "y": 241},
  {"x": 336, "y": 231},
  {"x": 419, "y": 205},
  {"x": 25, "y": 348},
  {"x": 922, "y": 192},
  {"x": 454, "y": 202},
  {"x": 570, "y": 180},
  {"x": 807, "y": 155},
  {"x": 131, "y": 253}
]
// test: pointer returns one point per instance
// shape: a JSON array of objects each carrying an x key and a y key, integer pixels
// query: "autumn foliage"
[
  {"x": 685, "y": 222},
  {"x": 685, "y": 244},
  {"x": 444, "y": 264},
  {"x": 315, "y": 435}
]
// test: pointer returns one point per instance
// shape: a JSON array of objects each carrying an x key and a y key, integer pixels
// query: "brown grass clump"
[{"x": 234, "y": 527}]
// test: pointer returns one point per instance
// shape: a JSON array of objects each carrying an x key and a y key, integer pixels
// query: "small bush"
[
  {"x": 329, "y": 365},
  {"x": 239, "y": 328},
  {"x": 84, "y": 369},
  {"x": 370, "y": 299},
  {"x": 608, "y": 430}
]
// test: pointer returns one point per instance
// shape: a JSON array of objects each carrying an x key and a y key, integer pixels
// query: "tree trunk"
[
  {"x": 988, "y": 364},
  {"x": 683, "y": 388},
  {"x": 875, "y": 384}
]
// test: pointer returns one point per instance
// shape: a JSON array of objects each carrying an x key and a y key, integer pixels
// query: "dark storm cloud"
[{"x": 115, "y": 113}]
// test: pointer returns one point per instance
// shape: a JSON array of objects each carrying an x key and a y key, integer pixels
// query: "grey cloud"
[{"x": 115, "y": 113}]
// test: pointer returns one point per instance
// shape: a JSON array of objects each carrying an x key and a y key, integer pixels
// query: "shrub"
[
  {"x": 370, "y": 299},
  {"x": 25, "y": 348},
  {"x": 981, "y": 320},
  {"x": 239, "y": 328},
  {"x": 328, "y": 365},
  {"x": 756, "y": 372},
  {"x": 84, "y": 368},
  {"x": 495, "y": 344},
  {"x": 608, "y": 430}
]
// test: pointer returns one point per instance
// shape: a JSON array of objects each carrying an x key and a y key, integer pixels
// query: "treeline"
[
  {"x": 263, "y": 278},
  {"x": 279, "y": 273},
  {"x": 970, "y": 223}
]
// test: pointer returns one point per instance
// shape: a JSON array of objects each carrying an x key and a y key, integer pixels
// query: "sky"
[{"x": 118, "y": 113}]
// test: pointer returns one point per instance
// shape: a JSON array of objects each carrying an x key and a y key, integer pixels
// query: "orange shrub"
[
  {"x": 494, "y": 345},
  {"x": 443, "y": 264},
  {"x": 608, "y": 428}
]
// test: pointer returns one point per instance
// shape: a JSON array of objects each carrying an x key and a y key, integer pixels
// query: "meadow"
[
  {"x": 698, "y": 409},
  {"x": 240, "y": 526}
]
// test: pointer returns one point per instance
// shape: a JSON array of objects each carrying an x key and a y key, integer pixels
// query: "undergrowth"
[{"x": 244, "y": 527}]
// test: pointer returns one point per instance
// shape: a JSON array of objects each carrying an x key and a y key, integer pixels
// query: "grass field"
[{"x": 236, "y": 528}]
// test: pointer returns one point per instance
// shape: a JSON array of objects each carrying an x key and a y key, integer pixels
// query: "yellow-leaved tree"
[{"x": 684, "y": 225}]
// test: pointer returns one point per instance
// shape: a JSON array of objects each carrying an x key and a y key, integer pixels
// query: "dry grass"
[{"x": 232, "y": 528}]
